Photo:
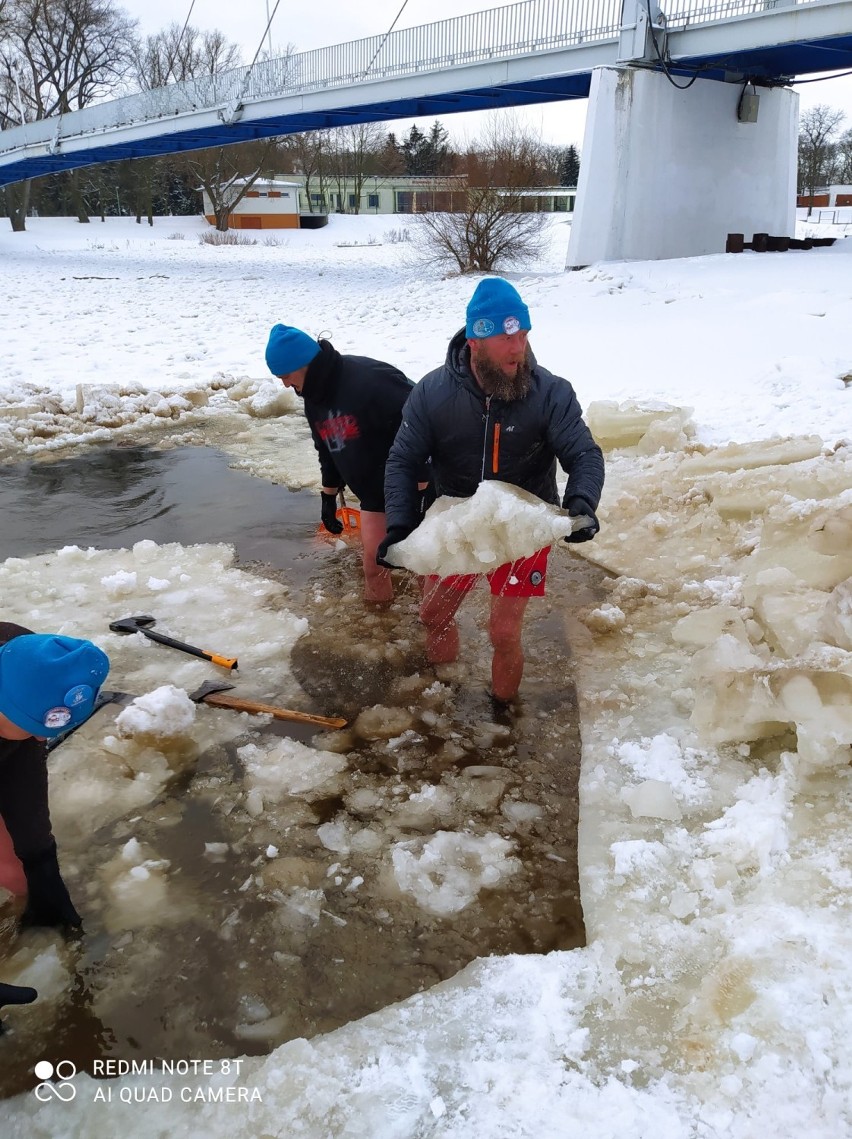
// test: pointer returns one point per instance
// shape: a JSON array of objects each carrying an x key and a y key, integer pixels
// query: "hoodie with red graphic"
[{"x": 354, "y": 408}]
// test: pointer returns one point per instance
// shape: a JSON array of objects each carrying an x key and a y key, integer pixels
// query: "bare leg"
[
  {"x": 437, "y": 612},
  {"x": 11, "y": 871},
  {"x": 377, "y": 580},
  {"x": 505, "y": 628}
]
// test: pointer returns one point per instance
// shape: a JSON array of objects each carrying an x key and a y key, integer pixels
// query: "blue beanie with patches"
[
  {"x": 289, "y": 349},
  {"x": 496, "y": 309},
  {"x": 49, "y": 683}
]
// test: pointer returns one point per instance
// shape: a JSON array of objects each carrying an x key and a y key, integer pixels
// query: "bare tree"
[
  {"x": 58, "y": 56},
  {"x": 69, "y": 52},
  {"x": 353, "y": 152},
  {"x": 174, "y": 55},
  {"x": 492, "y": 230},
  {"x": 507, "y": 153},
  {"x": 817, "y": 130},
  {"x": 310, "y": 154},
  {"x": 490, "y": 224},
  {"x": 843, "y": 156}
]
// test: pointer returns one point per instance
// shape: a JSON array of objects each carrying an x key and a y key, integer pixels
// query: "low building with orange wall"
[{"x": 269, "y": 204}]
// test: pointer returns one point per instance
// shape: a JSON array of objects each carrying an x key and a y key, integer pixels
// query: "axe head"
[
  {"x": 107, "y": 697},
  {"x": 208, "y": 688},
  {"x": 132, "y": 624}
]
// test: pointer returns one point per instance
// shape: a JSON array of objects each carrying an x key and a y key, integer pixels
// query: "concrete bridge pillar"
[{"x": 669, "y": 173}]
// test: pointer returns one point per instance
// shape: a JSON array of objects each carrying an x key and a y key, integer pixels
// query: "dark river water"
[{"x": 114, "y": 497}]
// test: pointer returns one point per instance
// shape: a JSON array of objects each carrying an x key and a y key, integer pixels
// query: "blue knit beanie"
[
  {"x": 495, "y": 308},
  {"x": 289, "y": 349},
  {"x": 49, "y": 683}
]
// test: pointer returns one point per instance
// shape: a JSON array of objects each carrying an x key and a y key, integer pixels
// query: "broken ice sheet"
[
  {"x": 499, "y": 524},
  {"x": 446, "y": 872}
]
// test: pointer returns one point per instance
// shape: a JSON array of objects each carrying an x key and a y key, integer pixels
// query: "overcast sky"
[{"x": 335, "y": 21}]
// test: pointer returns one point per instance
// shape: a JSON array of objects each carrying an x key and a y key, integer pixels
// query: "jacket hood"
[
  {"x": 458, "y": 355},
  {"x": 458, "y": 363},
  {"x": 321, "y": 374}
]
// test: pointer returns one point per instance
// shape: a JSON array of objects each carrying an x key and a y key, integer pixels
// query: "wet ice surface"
[
  {"x": 245, "y": 885},
  {"x": 714, "y": 843}
]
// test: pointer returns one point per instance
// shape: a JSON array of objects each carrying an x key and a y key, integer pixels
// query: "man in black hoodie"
[
  {"x": 491, "y": 412},
  {"x": 353, "y": 405}
]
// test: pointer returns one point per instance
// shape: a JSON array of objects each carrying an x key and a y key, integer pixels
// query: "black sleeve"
[
  {"x": 23, "y": 795},
  {"x": 407, "y": 463},
  {"x": 328, "y": 471},
  {"x": 395, "y": 393},
  {"x": 574, "y": 446}
]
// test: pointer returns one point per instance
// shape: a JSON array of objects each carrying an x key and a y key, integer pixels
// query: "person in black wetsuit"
[
  {"x": 48, "y": 684},
  {"x": 353, "y": 405}
]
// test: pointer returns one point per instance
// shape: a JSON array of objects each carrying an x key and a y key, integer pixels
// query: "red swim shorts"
[{"x": 522, "y": 578}]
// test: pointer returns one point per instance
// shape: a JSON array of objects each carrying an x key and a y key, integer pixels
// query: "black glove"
[
  {"x": 48, "y": 900},
  {"x": 16, "y": 994},
  {"x": 394, "y": 535},
  {"x": 329, "y": 513},
  {"x": 577, "y": 507}
]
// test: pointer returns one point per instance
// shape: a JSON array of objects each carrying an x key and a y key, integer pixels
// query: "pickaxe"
[
  {"x": 143, "y": 624},
  {"x": 212, "y": 692}
]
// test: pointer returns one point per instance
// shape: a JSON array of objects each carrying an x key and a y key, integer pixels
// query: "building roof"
[
  {"x": 538, "y": 191},
  {"x": 414, "y": 181},
  {"x": 268, "y": 183}
]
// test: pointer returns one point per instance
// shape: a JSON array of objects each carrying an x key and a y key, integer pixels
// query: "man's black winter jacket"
[
  {"x": 354, "y": 406},
  {"x": 472, "y": 437}
]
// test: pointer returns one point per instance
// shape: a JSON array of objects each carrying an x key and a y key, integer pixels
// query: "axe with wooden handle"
[{"x": 211, "y": 692}]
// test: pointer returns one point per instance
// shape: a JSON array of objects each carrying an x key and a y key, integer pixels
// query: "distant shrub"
[
  {"x": 216, "y": 237},
  {"x": 357, "y": 244},
  {"x": 273, "y": 241},
  {"x": 176, "y": 236},
  {"x": 395, "y": 236}
]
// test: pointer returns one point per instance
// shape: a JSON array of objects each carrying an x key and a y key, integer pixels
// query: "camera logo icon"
[{"x": 62, "y": 1089}]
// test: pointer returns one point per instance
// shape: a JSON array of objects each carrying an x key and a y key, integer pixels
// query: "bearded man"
[{"x": 491, "y": 412}]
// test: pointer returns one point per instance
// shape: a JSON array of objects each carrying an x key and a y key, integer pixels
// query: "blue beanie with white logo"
[
  {"x": 49, "y": 683},
  {"x": 496, "y": 309},
  {"x": 289, "y": 349}
]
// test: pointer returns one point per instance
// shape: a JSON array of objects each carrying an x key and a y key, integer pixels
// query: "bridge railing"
[
  {"x": 498, "y": 33},
  {"x": 682, "y": 13},
  {"x": 516, "y": 29}
]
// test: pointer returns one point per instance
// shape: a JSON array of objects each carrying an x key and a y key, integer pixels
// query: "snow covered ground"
[{"x": 713, "y": 998}]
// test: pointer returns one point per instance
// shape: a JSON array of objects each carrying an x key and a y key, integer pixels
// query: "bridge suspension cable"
[
  {"x": 180, "y": 37},
  {"x": 265, "y": 32},
  {"x": 384, "y": 39}
]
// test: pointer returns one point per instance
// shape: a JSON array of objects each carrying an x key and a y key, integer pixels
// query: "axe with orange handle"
[{"x": 143, "y": 625}]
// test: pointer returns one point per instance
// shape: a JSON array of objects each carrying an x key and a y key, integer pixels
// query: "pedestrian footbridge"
[{"x": 532, "y": 52}]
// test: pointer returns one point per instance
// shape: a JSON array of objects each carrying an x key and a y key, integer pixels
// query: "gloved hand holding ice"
[{"x": 499, "y": 524}]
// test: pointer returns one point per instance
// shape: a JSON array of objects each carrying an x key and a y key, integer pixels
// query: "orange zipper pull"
[{"x": 495, "y": 451}]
